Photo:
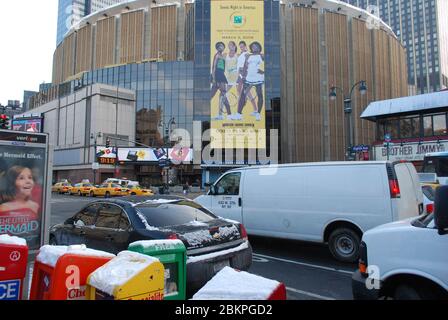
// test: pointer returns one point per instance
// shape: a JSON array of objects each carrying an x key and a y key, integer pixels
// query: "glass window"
[
  {"x": 229, "y": 185},
  {"x": 440, "y": 125},
  {"x": 427, "y": 126},
  {"x": 87, "y": 216},
  {"x": 174, "y": 214},
  {"x": 406, "y": 128},
  {"x": 109, "y": 217},
  {"x": 392, "y": 128}
]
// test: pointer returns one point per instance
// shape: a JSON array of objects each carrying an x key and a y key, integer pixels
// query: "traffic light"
[
  {"x": 4, "y": 120},
  {"x": 107, "y": 143}
]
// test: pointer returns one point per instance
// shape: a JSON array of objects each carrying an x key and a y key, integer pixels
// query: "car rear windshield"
[
  {"x": 116, "y": 186},
  {"x": 429, "y": 192},
  {"x": 174, "y": 214}
]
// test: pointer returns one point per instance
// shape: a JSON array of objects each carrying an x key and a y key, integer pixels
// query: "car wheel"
[
  {"x": 344, "y": 245},
  {"x": 92, "y": 194},
  {"x": 79, "y": 193},
  {"x": 407, "y": 292},
  {"x": 107, "y": 195},
  {"x": 133, "y": 194}
]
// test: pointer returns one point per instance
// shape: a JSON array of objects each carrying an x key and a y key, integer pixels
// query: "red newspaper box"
[
  {"x": 13, "y": 262},
  {"x": 60, "y": 273}
]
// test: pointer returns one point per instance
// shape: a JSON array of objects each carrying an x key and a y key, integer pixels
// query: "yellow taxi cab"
[
  {"x": 108, "y": 190},
  {"x": 139, "y": 191},
  {"x": 82, "y": 189},
  {"x": 61, "y": 187}
]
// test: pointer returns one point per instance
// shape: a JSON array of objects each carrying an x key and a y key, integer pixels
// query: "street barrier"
[
  {"x": 60, "y": 273},
  {"x": 13, "y": 263},
  {"x": 129, "y": 276},
  {"x": 245, "y": 286},
  {"x": 173, "y": 255}
]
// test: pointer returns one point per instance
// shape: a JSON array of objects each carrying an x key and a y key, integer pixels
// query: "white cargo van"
[
  {"x": 331, "y": 202},
  {"x": 406, "y": 260}
]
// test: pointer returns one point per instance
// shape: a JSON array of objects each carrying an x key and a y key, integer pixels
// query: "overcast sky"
[{"x": 27, "y": 43}]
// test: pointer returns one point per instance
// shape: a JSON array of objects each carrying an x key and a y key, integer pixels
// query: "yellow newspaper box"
[{"x": 129, "y": 276}]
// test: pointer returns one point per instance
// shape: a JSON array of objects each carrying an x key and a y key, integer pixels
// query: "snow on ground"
[
  {"x": 119, "y": 270},
  {"x": 50, "y": 255},
  {"x": 245, "y": 286},
  {"x": 10, "y": 240},
  {"x": 213, "y": 255}
]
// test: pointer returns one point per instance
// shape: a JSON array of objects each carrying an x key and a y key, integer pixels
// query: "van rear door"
[{"x": 410, "y": 202}]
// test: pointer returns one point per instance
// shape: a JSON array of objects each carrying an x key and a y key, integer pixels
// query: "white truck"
[
  {"x": 406, "y": 260},
  {"x": 329, "y": 202}
]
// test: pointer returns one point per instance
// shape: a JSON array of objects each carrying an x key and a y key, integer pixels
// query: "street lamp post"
[
  {"x": 348, "y": 113},
  {"x": 95, "y": 160},
  {"x": 166, "y": 141}
]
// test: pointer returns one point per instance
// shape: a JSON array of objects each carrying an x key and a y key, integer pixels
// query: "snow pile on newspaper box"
[
  {"x": 50, "y": 255},
  {"x": 10, "y": 240},
  {"x": 119, "y": 270},
  {"x": 230, "y": 284}
]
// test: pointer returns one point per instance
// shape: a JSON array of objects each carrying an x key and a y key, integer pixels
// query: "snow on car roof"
[
  {"x": 119, "y": 270},
  {"x": 11, "y": 240},
  {"x": 245, "y": 286},
  {"x": 50, "y": 255}
]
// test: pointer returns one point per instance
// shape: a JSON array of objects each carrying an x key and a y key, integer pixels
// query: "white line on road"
[
  {"x": 303, "y": 264},
  {"x": 306, "y": 293}
]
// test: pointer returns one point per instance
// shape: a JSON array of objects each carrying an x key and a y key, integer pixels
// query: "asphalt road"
[{"x": 308, "y": 270}]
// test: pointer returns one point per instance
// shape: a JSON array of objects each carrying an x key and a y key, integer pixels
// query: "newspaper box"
[
  {"x": 13, "y": 262},
  {"x": 60, "y": 272},
  {"x": 244, "y": 286},
  {"x": 129, "y": 276},
  {"x": 173, "y": 255}
]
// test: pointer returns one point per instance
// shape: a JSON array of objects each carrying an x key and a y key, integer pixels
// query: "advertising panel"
[
  {"x": 23, "y": 185},
  {"x": 28, "y": 125},
  {"x": 237, "y": 74},
  {"x": 106, "y": 155},
  {"x": 140, "y": 155}
]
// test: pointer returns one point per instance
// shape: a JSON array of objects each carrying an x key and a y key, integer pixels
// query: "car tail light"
[
  {"x": 394, "y": 189},
  {"x": 173, "y": 236},
  {"x": 243, "y": 232},
  {"x": 362, "y": 265},
  {"x": 117, "y": 189},
  {"x": 430, "y": 208}
]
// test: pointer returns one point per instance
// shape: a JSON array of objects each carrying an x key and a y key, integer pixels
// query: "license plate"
[{"x": 221, "y": 265}]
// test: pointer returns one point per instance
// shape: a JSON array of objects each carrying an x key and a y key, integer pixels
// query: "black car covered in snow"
[{"x": 112, "y": 224}]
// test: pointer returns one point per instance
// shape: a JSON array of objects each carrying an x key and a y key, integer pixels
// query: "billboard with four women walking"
[{"x": 237, "y": 74}]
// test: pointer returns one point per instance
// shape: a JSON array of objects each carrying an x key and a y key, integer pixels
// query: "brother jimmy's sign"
[{"x": 409, "y": 151}]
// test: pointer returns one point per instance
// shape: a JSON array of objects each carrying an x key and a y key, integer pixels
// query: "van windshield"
[{"x": 437, "y": 165}]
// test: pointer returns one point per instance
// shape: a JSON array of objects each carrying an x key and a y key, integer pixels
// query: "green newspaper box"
[{"x": 173, "y": 255}]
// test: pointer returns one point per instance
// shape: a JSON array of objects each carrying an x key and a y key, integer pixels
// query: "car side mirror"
[
  {"x": 212, "y": 190},
  {"x": 207, "y": 184},
  {"x": 441, "y": 210}
]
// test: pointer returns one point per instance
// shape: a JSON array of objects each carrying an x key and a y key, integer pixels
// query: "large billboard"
[
  {"x": 237, "y": 74},
  {"x": 153, "y": 155},
  {"x": 23, "y": 185},
  {"x": 28, "y": 125}
]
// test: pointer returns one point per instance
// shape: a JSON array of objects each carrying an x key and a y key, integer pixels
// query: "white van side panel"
[{"x": 298, "y": 202}]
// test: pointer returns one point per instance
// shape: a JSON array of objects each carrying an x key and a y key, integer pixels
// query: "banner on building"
[
  {"x": 28, "y": 125},
  {"x": 23, "y": 185},
  {"x": 409, "y": 151},
  {"x": 237, "y": 78},
  {"x": 153, "y": 155}
]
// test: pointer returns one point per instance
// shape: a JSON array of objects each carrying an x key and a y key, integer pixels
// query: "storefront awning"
[{"x": 414, "y": 104}]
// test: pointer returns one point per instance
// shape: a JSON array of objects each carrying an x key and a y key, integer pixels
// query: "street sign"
[
  {"x": 95, "y": 166},
  {"x": 387, "y": 137},
  {"x": 164, "y": 163},
  {"x": 361, "y": 148}
]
